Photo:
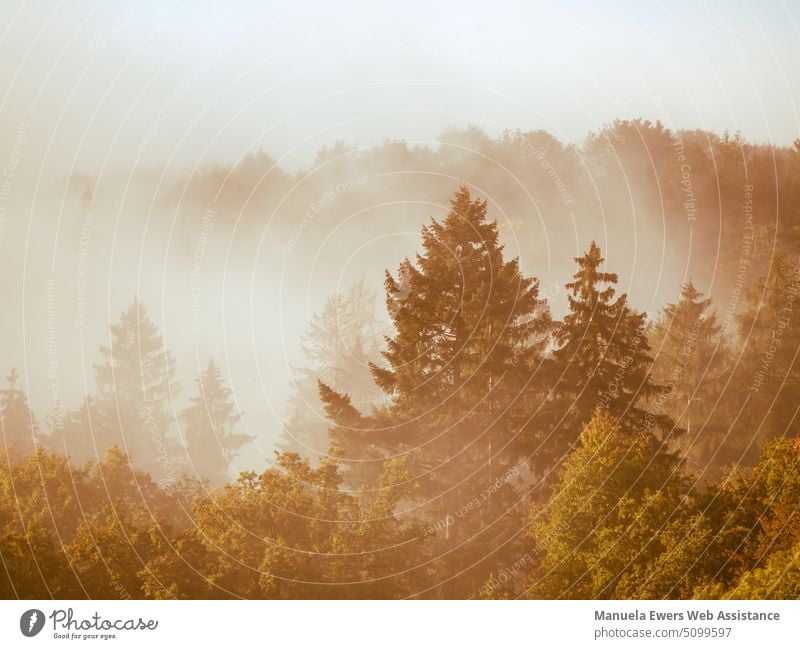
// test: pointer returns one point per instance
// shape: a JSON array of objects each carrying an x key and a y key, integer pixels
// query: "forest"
[{"x": 485, "y": 437}]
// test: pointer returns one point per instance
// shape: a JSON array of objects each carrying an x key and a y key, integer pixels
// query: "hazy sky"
[{"x": 132, "y": 83}]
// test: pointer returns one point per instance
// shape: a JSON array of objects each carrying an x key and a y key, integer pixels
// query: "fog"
[
  {"x": 232, "y": 262},
  {"x": 235, "y": 167}
]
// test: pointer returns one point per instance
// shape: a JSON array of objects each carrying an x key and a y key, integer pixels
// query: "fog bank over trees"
[{"x": 233, "y": 262}]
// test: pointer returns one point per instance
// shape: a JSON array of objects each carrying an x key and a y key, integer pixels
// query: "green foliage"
[
  {"x": 291, "y": 532},
  {"x": 756, "y": 515},
  {"x": 425, "y": 493},
  {"x": 614, "y": 526},
  {"x": 778, "y": 579}
]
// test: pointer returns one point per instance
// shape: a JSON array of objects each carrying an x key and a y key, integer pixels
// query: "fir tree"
[
  {"x": 691, "y": 359},
  {"x": 135, "y": 382},
  {"x": 75, "y": 434},
  {"x": 601, "y": 362},
  {"x": 209, "y": 425},
  {"x": 469, "y": 336}
]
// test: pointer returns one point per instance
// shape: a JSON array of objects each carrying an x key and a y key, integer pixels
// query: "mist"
[{"x": 355, "y": 300}]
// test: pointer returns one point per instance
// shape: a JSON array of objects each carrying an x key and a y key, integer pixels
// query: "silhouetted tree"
[
  {"x": 601, "y": 362},
  {"x": 469, "y": 332}
]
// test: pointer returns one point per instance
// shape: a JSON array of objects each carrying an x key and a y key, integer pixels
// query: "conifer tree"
[
  {"x": 767, "y": 381},
  {"x": 461, "y": 366},
  {"x": 20, "y": 430},
  {"x": 690, "y": 358},
  {"x": 340, "y": 342},
  {"x": 76, "y": 434},
  {"x": 601, "y": 362},
  {"x": 135, "y": 383},
  {"x": 209, "y": 427}
]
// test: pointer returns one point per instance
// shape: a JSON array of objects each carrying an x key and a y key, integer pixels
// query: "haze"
[{"x": 112, "y": 111}]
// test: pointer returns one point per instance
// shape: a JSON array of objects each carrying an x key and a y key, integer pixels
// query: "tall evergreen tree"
[
  {"x": 601, "y": 361},
  {"x": 20, "y": 429},
  {"x": 135, "y": 383},
  {"x": 209, "y": 427},
  {"x": 469, "y": 336},
  {"x": 691, "y": 359}
]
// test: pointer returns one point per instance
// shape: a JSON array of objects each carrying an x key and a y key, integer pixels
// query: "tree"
[
  {"x": 72, "y": 432},
  {"x": 44, "y": 491},
  {"x": 757, "y": 527},
  {"x": 469, "y": 335},
  {"x": 181, "y": 571},
  {"x": 691, "y": 359},
  {"x": 112, "y": 552},
  {"x": 767, "y": 380},
  {"x": 778, "y": 578},
  {"x": 291, "y": 532},
  {"x": 340, "y": 342},
  {"x": 92, "y": 531},
  {"x": 601, "y": 361},
  {"x": 616, "y": 526},
  {"x": 209, "y": 427},
  {"x": 135, "y": 383},
  {"x": 32, "y": 567},
  {"x": 42, "y": 500},
  {"x": 19, "y": 426}
]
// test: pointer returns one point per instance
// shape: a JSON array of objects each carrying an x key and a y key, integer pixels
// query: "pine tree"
[
  {"x": 209, "y": 425},
  {"x": 135, "y": 383},
  {"x": 19, "y": 426},
  {"x": 469, "y": 336},
  {"x": 601, "y": 362},
  {"x": 690, "y": 358}
]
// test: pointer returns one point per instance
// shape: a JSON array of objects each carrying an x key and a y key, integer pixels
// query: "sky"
[{"x": 181, "y": 84}]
